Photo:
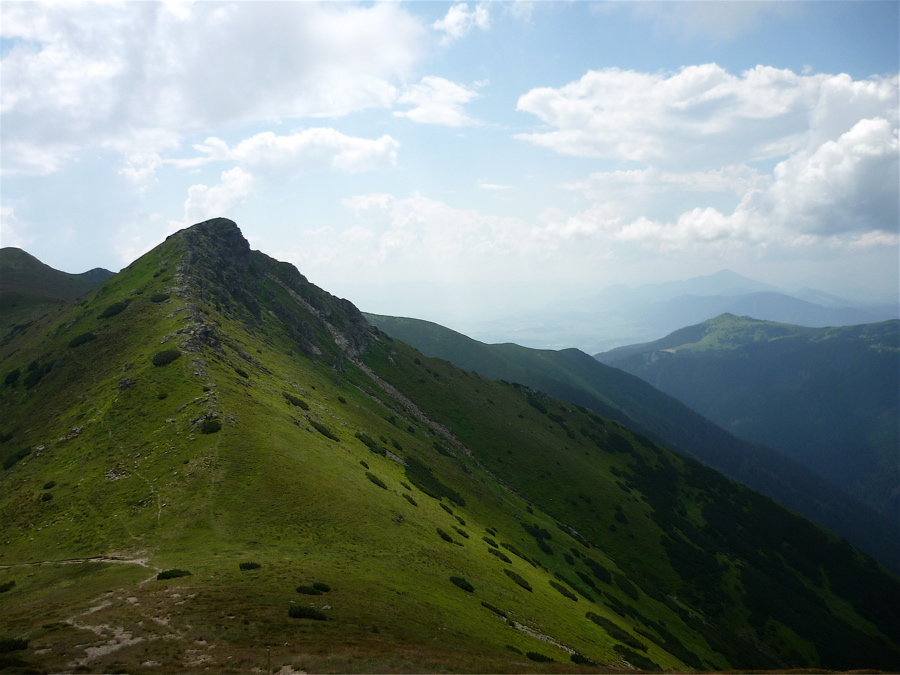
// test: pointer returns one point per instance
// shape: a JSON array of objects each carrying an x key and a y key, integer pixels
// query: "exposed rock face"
[{"x": 218, "y": 268}]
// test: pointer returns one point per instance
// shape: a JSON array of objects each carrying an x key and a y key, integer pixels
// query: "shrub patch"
[
  {"x": 165, "y": 357},
  {"x": 301, "y": 612},
  {"x": 81, "y": 339},
  {"x": 463, "y": 584},
  {"x": 172, "y": 574},
  {"x": 518, "y": 579}
]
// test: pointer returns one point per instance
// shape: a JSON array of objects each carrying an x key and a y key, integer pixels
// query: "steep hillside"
[
  {"x": 576, "y": 377},
  {"x": 828, "y": 397},
  {"x": 29, "y": 288},
  {"x": 212, "y": 465}
]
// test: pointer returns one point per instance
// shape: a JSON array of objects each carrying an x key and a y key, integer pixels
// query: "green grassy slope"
[
  {"x": 828, "y": 397},
  {"x": 290, "y": 434},
  {"x": 576, "y": 377}
]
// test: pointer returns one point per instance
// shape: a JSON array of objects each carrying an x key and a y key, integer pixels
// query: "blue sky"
[{"x": 509, "y": 146}]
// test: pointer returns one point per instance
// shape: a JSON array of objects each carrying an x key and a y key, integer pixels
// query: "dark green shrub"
[
  {"x": 36, "y": 373},
  {"x": 342, "y": 399},
  {"x": 14, "y": 457},
  {"x": 616, "y": 632},
  {"x": 364, "y": 464},
  {"x": 599, "y": 570},
  {"x": 396, "y": 444},
  {"x": 490, "y": 542},
  {"x": 421, "y": 476},
  {"x": 500, "y": 554},
  {"x": 582, "y": 660},
  {"x": 210, "y": 426},
  {"x": 463, "y": 584},
  {"x": 635, "y": 659},
  {"x": 325, "y": 431},
  {"x": 447, "y": 508},
  {"x": 375, "y": 479},
  {"x": 159, "y": 297},
  {"x": 8, "y": 645},
  {"x": 586, "y": 579},
  {"x": 81, "y": 339},
  {"x": 172, "y": 574},
  {"x": 113, "y": 309},
  {"x": 410, "y": 499},
  {"x": 495, "y": 610},
  {"x": 46, "y": 497},
  {"x": 460, "y": 520},
  {"x": 309, "y": 590},
  {"x": 443, "y": 535},
  {"x": 301, "y": 612},
  {"x": 12, "y": 376},
  {"x": 294, "y": 400},
  {"x": 50, "y": 484},
  {"x": 165, "y": 357},
  {"x": 515, "y": 650},
  {"x": 321, "y": 586},
  {"x": 7, "y": 586},
  {"x": 249, "y": 565},
  {"x": 243, "y": 373},
  {"x": 627, "y": 587},
  {"x": 512, "y": 549},
  {"x": 518, "y": 579},
  {"x": 442, "y": 450},
  {"x": 565, "y": 591},
  {"x": 162, "y": 396},
  {"x": 537, "y": 656},
  {"x": 462, "y": 532}
]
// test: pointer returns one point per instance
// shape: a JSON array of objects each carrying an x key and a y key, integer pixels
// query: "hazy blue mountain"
[
  {"x": 828, "y": 397},
  {"x": 577, "y": 377},
  {"x": 622, "y": 315}
]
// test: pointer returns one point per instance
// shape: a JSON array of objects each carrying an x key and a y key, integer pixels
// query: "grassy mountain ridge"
[
  {"x": 226, "y": 411},
  {"x": 576, "y": 377},
  {"x": 828, "y": 397},
  {"x": 29, "y": 288}
]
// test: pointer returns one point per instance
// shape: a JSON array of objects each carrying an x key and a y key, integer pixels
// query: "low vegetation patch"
[
  {"x": 565, "y": 591},
  {"x": 8, "y": 645},
  {"x": 82, "y": 339},
  {"x": 249, "y": 565},
  {"x": 410, "y": 499},
  {"x": 7, "y": 586},
  {"x": 159, "y": 297},
  {"x": 210, "y": 426},
  {"x": 518, "y": 579},
  {"x": 496, "y": 610},
  {"x": 421, "y": 476},
  {"x": 325, "y": 431},
  {"x": 113, "y": 309},
  {"x": 582, "y": 660},
  {"x": 635, "y": 659},
  {"x": 375, "y": 479},
  {"x": 443, "y": 535},
  {"x": 243, "y": 373},
  {"x": 321, "y": 586},
  {"x": 616, "y": 633},
  {"x": 295, "y": 400},
  {"x": 12, "y": 376},
  {"x": 172, "y": 574},
  {"x": 500, "y": 554},
  {"x": 463, "y": 584},
  {"x": 537, "y": 656},
  {"x": 308, "y": 590},
  {"x": 301, "y": 612},
  {"x": 165, "y": 357},
  {"x": 14, "y": 457}
]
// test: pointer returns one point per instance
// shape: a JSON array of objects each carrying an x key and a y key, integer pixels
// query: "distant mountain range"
[
  {"x": 28, "y": 286},
  {"x": 828, "y": 397},
  {"x": 622, "y": 315},
  {"x": 574, "y": 376},
  {"x": 209, "y": 464}
]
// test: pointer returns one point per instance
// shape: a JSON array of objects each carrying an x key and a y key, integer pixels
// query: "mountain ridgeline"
[
  {"x": 828, "y": 397},
  {"x": 574, "y": 376},
  {"x": 211, "y": 464}
]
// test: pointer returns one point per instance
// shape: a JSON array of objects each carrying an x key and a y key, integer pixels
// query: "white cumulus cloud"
[
  {"x": 436, "y": 100},
  {"x": 459, "y": 20},
  {"x": 79, "y": 76}
]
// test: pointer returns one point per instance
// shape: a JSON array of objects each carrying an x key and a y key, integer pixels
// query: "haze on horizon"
[{"x": 524, "y": 148}]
